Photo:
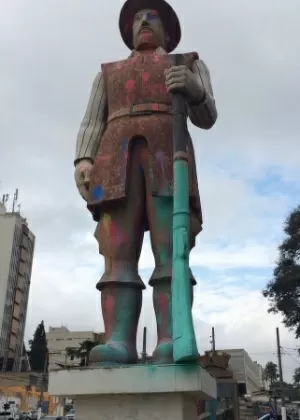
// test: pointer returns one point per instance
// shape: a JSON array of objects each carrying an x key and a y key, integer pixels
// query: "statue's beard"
[{"x": 146, "y": 40}]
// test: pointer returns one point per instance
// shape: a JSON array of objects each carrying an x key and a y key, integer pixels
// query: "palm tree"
[{"x": 82, "y": 352}]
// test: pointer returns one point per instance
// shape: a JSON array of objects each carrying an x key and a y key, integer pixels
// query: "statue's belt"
[{"x": 141, "y": 109}]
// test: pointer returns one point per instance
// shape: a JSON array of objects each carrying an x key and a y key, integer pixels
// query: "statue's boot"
[
  {"x": 163, "y": 353},
  {"x": 162, "y": 302},
  {"x": 121, "y": 307}
]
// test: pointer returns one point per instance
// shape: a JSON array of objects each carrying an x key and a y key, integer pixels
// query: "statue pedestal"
[{"x": 140, "y": 392}]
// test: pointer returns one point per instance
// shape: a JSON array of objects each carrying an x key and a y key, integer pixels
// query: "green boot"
[
  {"x": 162, "y": 302},
  {"x": 163, "y": 354},
  {"x": 121, "y": 308}
]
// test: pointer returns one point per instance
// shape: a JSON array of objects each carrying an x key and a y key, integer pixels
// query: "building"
[
  {"x": 27, "y": 398},
  {"x": 247, "y": 373},
  {"x": 217, "y": 364},
  {"x": 16, "y": 256},
  {"x": 61, "y": 338},
  {"x": 263, "y": 383}
]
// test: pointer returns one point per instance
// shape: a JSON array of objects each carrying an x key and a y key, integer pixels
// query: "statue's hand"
[
  {"x": 82, "y": 177},
  {"x": 181, "y": 79}
]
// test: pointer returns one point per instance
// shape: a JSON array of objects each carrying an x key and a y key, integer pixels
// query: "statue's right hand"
[{"x": 82, "y": 177}]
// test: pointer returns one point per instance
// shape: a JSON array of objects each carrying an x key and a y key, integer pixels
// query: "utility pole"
[
  {"x": 283, "y": 408},
  {"x": 144, "y": 352},
  {"x": 213, "y": 339},
  {"x": 43, "y": 385}
]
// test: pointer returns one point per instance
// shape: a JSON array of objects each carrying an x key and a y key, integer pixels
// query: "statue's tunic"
[{"x": 138, "y": 104}]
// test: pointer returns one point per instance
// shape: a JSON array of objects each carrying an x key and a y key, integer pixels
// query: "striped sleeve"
[
  {"x": 93, "y": 123},
  {"x": 203, "y": 114}
]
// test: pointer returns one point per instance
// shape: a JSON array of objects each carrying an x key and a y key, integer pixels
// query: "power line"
[{"x": 288, "y": 354}]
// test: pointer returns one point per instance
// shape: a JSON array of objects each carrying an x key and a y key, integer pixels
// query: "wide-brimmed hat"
[{"x": 167, "y": 15}]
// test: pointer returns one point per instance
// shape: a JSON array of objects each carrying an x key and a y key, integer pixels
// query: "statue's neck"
[{"x": 157, "y": 50}]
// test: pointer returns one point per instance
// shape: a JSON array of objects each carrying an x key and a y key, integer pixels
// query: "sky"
[{"x": 248, "y": 163}]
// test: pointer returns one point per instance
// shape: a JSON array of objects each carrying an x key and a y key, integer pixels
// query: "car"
[
  {"x": 71, "y": 414},
  {"x": 55, "y": 418},
  {"x": 25, "y": 415},
  {"x": 34, "y": 414},
  {"x": 9, "y": 415}
]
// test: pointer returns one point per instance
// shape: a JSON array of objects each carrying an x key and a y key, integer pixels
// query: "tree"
[
  {"x": 82, "y": 352},
  {"x": 38, "y": 353},
  {"x": 270, "y": 372},
  {"x": 296, "y": 377},
  {"x": 283, "y": 291}
]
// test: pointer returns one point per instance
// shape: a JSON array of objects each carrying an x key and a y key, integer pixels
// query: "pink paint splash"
[
  {"x": 116, "y": 236},
  {"x": 164, "y": 307},
  {"x": 129, "y": 86},
  {"x": 145, "y": 76},
  {"x": 146, "y": 36},
  {"x": 109, "y": 311},
  {"x": 110, "y": 303}
]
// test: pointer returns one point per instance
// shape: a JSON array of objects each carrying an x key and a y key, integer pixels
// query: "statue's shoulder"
[{"x": 113, "y": 64}]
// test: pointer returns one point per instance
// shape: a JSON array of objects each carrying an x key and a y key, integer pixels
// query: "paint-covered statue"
[{"x": 124, "y": 171}]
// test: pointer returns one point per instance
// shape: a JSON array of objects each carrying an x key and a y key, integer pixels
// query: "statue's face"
[{"x": 148, "y": 30}]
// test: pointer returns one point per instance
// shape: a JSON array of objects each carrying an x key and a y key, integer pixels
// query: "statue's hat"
[{"x": 167, "y": 15}]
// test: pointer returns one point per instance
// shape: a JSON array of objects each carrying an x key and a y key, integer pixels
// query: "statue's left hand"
[{"x": 181, "y": 79}]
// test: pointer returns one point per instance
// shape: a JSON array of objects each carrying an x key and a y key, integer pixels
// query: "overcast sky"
[{"x": 248, "y": 164}]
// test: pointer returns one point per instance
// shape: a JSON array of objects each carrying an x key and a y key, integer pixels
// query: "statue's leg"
[
  {"x": 160, "y": 215},
  {"x": 120, "y": 234},
  {"x": 121, "y": 307}
]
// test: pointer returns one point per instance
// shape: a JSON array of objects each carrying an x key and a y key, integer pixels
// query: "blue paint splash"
[
  {"x": 150, "y": 16},
  {"x": 124, "y": 144},
  {"x": 97, "y": 192}
]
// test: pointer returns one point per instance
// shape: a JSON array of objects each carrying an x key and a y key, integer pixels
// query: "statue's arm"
[
  {"x": 94, "y": 122},
  {"x": 204, "y": 113}
]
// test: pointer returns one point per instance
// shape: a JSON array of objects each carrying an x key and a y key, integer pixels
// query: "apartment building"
[
  {"x": 247, "y": 372},
  {"x": 61, "y": 338},
  {"x": 261, "y": 375},
  {"x": 16, "y": 256}
]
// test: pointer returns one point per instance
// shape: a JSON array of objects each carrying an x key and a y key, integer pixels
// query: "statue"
[{"x": 124, "y": 171}]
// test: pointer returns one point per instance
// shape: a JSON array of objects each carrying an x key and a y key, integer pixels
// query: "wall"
[
  {"x": 16, "y": 256},
  {"x": 27, "y": 400},
  {"x": 244, "y": 369},
  {"x": 7, "y": 226},
  {"x": 60, "y": 338}
]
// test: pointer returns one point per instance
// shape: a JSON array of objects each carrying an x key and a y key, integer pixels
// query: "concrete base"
[
  {"x": 136, "y": 407},
  {"x": 141, "y": 392}
]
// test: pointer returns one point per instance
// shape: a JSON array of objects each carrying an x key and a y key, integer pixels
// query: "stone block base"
[
  {"x": 136, "y": 407},
  {"x": 140, "y": 392}
]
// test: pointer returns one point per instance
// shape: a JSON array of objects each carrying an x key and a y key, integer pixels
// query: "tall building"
[
  {"x": 261, "y": 374},
  {"x": 16, "y": 256},
  {"x": 61, "y": 338},
  {"x": 246, "y": 372}
]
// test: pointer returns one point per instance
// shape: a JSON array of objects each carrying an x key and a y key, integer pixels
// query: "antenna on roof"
[
  {"x": 5, "y": 198},
  {"x": 15, "y": 200}
]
